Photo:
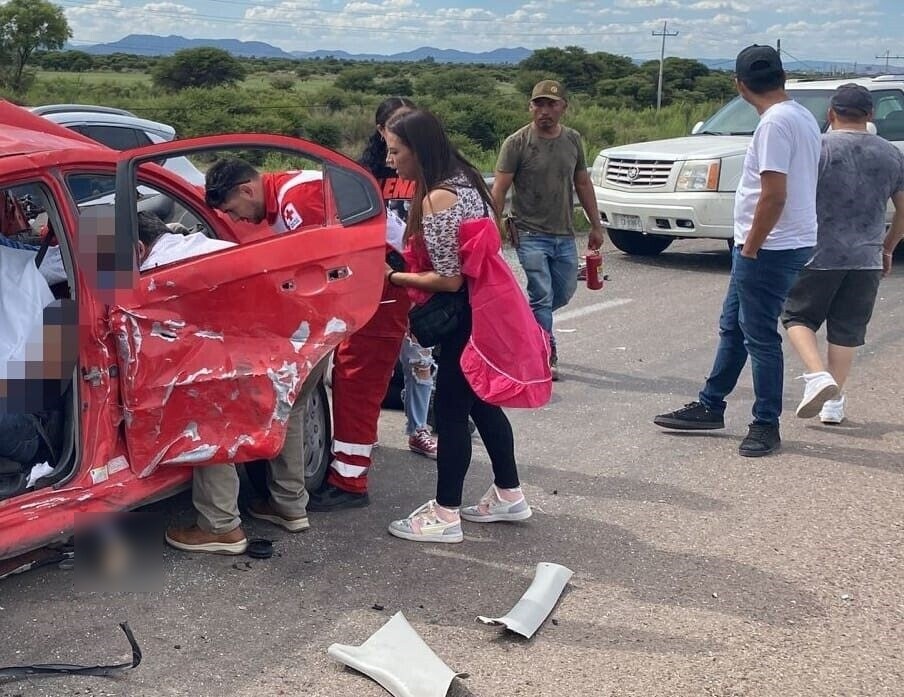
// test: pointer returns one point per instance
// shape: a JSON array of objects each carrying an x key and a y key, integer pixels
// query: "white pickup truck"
[{"x": 651, "y": 194}]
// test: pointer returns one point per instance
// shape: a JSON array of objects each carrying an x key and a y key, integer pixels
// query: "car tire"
[
  {"x": 637, "y": 243},
  {"x": 318, "y": 434}
]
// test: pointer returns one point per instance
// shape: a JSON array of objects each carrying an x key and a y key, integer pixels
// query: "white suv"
[{"x": 650, "y": 194}]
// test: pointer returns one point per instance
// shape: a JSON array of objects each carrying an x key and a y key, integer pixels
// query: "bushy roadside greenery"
[{"x": 332, "y": 102}]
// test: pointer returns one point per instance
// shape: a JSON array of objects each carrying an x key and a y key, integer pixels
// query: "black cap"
[
  {"x": 852, "y": 100},
  {"x": 757, "y": 61}
]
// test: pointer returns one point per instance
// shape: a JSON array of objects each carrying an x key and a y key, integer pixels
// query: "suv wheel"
[{"x": 638, "y": 243}]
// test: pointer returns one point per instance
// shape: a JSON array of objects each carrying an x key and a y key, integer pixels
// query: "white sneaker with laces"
[
  {"x": 832, "y": 411},
  {"x": 492, "y": 509},
  {"x": 820, "y": 388},
  {"x": 423, "y": 525}
]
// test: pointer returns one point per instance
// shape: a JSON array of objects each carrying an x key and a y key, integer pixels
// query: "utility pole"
[
  {"x": 664, "y": 33},
  {"x": 887, "y": 56},
  {"x": 778, "y": 47}
]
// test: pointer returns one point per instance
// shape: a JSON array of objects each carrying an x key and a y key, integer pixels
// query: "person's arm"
[
  {"x": 435, "y": 201},
  {"x": 587, "y": 196},
  {"x": 502, "y": 182},
  {"x": 773, "y": 194},
  {"x": 6, "y": 242},
  {"x": 895, "y": 233}
]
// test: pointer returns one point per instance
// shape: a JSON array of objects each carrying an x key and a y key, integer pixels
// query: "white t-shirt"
[
  {"x": 171, "y": 247},
  {"x": 23, "y": 296},
  {"x": 786, "y": 140}
]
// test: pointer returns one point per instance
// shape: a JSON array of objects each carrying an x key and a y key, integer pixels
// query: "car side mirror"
[
  {"x": 871, "y": 128},
  {"x": 696, "y": 129}
]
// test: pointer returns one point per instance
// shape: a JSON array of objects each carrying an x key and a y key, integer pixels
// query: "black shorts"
[{"x": 841, "y": 298}]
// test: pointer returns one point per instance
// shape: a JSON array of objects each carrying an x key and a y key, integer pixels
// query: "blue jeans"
[
  {"x": 19, "y": 438},
  {"x": 749, "y": 326},
  {"x": 418, "y": 370},
  {"x": 551, "y": 265}
]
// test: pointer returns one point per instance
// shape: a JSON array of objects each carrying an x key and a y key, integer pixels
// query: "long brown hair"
[{"x": 436, "y": 160}]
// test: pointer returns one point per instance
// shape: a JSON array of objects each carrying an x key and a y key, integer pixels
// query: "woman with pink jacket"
[{"x": 449, "y": 191}]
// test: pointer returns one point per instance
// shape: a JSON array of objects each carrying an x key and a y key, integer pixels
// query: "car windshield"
[{"x": 738, "y": 118}]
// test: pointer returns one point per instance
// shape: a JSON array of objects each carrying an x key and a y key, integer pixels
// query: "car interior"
[{"x": 30, "y": 218}]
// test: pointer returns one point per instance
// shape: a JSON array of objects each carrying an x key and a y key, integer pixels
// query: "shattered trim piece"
[
  {"x": 537, "y": 602},
  {"x": 399, "y": 660},
  {"x": 70, "y": 669}
]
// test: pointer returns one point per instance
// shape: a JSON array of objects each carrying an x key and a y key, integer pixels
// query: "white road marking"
[{"x": 590, "y": 309}]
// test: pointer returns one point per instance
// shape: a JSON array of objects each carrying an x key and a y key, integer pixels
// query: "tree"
[
  {"x": 71, "y": 61},
  {"x": 579, "y": 70},
  {"x": 356, "y": 80},
  {"x": 25, "y": 26},
  {"x": 197, "y": 67}
]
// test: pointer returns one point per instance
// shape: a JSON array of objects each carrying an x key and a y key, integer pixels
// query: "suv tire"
[{"x": 638, "y": 243}]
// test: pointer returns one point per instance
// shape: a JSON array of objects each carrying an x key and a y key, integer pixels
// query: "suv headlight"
[
  {"x": 598, "y": 171},
  {"x": 699, "y": 175}
]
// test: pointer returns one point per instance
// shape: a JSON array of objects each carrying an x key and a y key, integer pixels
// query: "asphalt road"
[{"x": 697, "y": 572}]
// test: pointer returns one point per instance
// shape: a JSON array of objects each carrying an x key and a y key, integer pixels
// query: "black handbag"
[{"x": 439, "y": 317}]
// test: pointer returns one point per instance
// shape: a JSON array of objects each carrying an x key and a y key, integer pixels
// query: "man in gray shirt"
[{"x": 858, "y": 174}]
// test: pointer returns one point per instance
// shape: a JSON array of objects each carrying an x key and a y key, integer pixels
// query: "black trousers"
[{"x": 454, "y": 401}]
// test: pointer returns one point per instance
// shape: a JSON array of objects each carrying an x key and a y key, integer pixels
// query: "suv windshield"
[{"x": 739, "y": 118}]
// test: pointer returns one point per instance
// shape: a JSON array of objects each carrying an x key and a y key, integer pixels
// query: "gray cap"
[{"x": 852, "y": 100}]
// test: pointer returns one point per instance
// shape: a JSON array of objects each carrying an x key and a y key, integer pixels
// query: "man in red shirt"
[{"x": 286, "y": 201}]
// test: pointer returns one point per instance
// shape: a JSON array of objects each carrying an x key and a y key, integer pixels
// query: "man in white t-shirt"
[{"x": 774, "y": 234}]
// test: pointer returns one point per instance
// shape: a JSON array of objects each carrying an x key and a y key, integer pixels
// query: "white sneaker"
[
  {"x": 492, "y": 509},
  {"x": 820, "y": 388},
  {"x": 832, "y": 411},
  {"x": 423, "y": 525}
]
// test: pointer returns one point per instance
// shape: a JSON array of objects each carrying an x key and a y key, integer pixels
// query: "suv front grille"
[{"x": 648, "y": 173}]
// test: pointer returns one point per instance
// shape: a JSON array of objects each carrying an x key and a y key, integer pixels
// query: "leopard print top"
[{"x": 441, "y": 228}]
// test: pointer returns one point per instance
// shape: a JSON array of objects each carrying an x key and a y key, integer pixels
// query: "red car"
[{"x": 192, "y": 363}]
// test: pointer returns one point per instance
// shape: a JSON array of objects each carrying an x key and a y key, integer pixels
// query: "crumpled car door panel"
[{"x": 209, "y": 368}]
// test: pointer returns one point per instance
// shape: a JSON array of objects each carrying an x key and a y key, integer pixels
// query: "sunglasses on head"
[{"x": 216, "y": 196}]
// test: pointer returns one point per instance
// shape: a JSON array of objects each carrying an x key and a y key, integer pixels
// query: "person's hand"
[
  {"x": 748, "y": 253},
  {"x": 388, "y": 270},
  {"x": 595, "y": 239},
  {"x": 887, "y": 258}
]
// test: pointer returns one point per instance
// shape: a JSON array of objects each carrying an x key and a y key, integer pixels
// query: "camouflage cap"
[{"x": 548, "y": 89}]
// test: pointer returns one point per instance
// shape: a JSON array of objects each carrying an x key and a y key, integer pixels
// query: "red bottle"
[{"x": 594, "y": 265}]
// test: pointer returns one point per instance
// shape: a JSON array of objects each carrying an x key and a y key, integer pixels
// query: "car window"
[
  {"x": 116, "y": 137},
  {"x": 94, "y": 193},
  {"x": 889, "y": 114}
]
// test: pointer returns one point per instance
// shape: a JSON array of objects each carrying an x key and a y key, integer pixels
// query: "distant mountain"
[
  {"x": 440, "y": 55},
  {"x": 151, "y": 45},
  {"x": 813, "y": 66}
]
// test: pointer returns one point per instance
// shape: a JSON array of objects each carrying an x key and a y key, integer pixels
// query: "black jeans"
[{"x": 454, "y": 401}]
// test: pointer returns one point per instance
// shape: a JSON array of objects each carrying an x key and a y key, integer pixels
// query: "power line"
[
  {"x": 887, "y": 56},
  {"x": 664, "y": 33}
]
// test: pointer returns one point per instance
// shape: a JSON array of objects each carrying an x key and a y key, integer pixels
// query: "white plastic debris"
[
  {"x": 537, "y": 602},
  {"x": 399, "y": 660},
  {"x": 40, "y": 470}
]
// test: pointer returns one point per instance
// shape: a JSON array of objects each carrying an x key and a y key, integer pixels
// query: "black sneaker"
[
  {"x": 762, "y": 439},
  {"x": 332, "y": 498},
  {"x": 693, "y": 416},
  {"x": 554, "y": 364}
]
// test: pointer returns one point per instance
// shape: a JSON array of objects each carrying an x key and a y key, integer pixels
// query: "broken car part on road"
[
  {"x": 537, "y": 602},
  {"x": 397, "y": 658},
  {"x": 71, "y": 669}
]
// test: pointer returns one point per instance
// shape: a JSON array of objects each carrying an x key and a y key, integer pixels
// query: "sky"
[{"x": 840, "y": 30}]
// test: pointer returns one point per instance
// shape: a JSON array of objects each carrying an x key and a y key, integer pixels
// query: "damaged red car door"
[{"x": 212, "y": 351}]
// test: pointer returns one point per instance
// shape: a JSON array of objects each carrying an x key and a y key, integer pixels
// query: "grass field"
[{"x": 94, "y": 78}]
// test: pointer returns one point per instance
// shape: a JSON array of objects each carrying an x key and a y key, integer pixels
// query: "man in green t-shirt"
[{"x": 545, "y": 162}]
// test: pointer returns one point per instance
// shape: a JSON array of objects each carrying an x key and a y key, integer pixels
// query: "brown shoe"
[
  {"x": 263, "y": 510},
  {"x": 194, "y": 539}
]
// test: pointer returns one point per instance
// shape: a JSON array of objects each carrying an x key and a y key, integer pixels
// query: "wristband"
[
  {"x": 389, "y": 277},
  {"x": 888, "y": 254}
]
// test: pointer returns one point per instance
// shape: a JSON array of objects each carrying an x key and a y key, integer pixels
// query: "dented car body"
[{"x": 193, "y": 363}]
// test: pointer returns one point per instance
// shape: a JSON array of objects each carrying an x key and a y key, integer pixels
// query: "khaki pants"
[{"x": 215, "y": 488}]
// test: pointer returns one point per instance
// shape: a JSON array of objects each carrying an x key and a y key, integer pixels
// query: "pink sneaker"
[{"x": 423, "y": 443}]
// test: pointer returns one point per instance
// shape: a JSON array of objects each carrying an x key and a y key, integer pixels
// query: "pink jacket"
[{"x": 506, "y": 360}]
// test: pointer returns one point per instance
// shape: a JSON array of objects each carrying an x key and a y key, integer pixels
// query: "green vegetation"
[
  {"x": 25, "y": 27},
  {"x": 332, "y": 101}
]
